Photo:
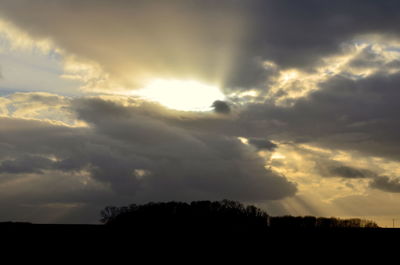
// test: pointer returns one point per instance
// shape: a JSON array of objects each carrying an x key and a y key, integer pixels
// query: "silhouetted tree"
[
  {"x": 216, "y": 216},
  {"x": 197, "y": 216},
  {"x": 109, "y": 214},
  {"x": 320, "y": 222}
]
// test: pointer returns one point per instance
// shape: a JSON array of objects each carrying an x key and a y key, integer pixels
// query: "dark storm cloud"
[
  {"x": 209, "y": 40},
  {"x": 221, "y": 107},
  {"x": 359, "y": 115},
  {"x": 355, "y": 115},
  {"x": 262, "y": 144},
  {"x": 185, "y": 158},
  {"x": 350, "y": 172},
  {"x": 385, "y": 183},
  {"x": 27, "y": 164},
  {"x": 140, "y": 157}
]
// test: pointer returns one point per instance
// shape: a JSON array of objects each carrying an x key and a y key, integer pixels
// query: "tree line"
[{"x": 225, "y": 215}]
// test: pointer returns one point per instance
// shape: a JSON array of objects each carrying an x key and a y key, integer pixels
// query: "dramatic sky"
[{"x": 289, "y": 105}]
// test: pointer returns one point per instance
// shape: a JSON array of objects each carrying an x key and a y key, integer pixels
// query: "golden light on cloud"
[
  {"x": 186, "y": 95},
  {"x": 21, "y": 40},
  {"x": 292, "y": 84},
  {"x": 289, "y": 75},
  {"x": 243, "y": 140},
  {"x": 278, "y": 156}
]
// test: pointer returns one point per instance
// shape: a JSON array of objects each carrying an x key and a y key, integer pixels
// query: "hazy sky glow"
[{"x": 289, "y": 105}]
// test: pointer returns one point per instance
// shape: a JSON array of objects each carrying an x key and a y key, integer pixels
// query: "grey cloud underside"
[
  {"x": 181, "y": 165},
  {"x": 221, "y": 107},
  {"x": 345, "y": 114},
  {"x": 208, "y": 40},
  {"x": 335, "y": 169},
  {"x": 27, "y": 164},
  {"x": 330, "y": 168},
  {"x": 262, "y": 144},
  {"x": 359, "y": 115},
  {"x": 348, "y": 114},
  {"x": 350, "y": 172},
  {"x": 386, "y": 184}
]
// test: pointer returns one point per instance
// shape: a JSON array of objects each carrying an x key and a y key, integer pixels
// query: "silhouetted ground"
[
  {"x": 100, "y": 242},
  {"x": 202, "y": 229},
  {"x": 91, "y": 233}
]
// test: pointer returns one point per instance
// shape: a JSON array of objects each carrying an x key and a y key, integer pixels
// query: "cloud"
[
  {"x": 343, "y": 114},
  {"x": 221, "y": 107},
  {"x": 225, "y": 42},
  {"x": 184, "y": 157},
  {"x": 120, "y": 141},
  {"x": 387, "y": 184},
  {"x": 3, "y": 106},
  {"x": 350, "y": 172},
  {"x": 27, "y": 164},
  {"x": 262, "y": 144},
  {"x": 372, "y": 57},
  {"x": 39, "y": 106}
]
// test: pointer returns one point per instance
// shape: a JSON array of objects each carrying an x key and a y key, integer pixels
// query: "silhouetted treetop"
[{"x": 199, "y": 214}]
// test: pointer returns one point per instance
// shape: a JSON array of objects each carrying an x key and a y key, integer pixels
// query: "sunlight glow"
[
  {"x": 289, "y": 75},
  {"x": 243, "y": 140},
  {"x": 278, "y": 156},
  {"x": 186, "y": 95}
]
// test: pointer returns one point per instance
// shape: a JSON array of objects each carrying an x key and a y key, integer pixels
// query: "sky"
[{"x": 288, "y": 105}]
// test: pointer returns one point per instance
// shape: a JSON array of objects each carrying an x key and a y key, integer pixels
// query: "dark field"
[
  {"x": 104, "y": 235},
  {"x": 99, "y": 243},
  {"x": 204, "y": 228}
]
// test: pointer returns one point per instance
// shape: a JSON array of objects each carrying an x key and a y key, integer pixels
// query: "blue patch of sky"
[{"x": 32, "y": 70}]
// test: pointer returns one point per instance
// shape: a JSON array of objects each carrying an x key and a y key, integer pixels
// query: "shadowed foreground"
[{"x": 201, "y": 225}]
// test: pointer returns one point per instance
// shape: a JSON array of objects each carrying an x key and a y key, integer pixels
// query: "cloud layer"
[
  {"x": 223, "y": 42},
  {"x": 310, "y": 115},
  {"x": 139, "y": 158}
]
